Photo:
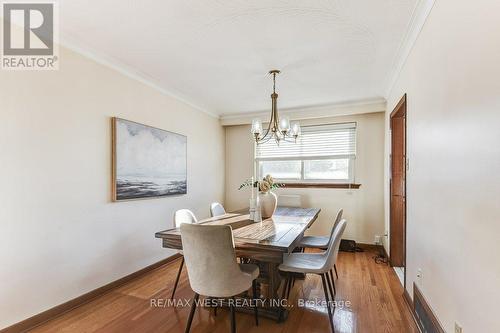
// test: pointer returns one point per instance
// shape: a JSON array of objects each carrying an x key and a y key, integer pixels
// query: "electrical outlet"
[
  {"x": 458, "y": 328},
  {"x": 377, "y": 240},
  {"x": 419, "y": 274}
]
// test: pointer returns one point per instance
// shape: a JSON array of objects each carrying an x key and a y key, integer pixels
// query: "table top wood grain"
[{"x": 280, "y": 233}]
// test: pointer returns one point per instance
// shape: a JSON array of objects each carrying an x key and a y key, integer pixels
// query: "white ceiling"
[{"x": 216, "y": 54}]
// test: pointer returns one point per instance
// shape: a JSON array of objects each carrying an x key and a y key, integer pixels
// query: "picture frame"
[{"x": 147, "y": 162}]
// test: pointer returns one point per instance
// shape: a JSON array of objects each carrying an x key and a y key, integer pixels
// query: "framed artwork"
[{"x": 147, "y": 162}]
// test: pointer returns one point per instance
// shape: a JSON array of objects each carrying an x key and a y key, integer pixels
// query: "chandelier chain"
[{"x": 274, "y": 83}]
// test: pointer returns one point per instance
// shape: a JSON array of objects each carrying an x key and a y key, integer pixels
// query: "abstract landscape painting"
[{"x": 147, "y": 161}]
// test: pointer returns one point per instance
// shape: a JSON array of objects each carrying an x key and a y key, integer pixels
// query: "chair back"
[
  {"x": 333, "y": 248},
  {"x": 184, "y": 216},
  {"x": 216, "y": 209},
  {"x": 211, "y": 260},
  {"x": 340, "y": 212}
]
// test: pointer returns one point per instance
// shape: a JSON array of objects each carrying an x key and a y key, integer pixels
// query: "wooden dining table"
[{"x": 264, "y": 243}]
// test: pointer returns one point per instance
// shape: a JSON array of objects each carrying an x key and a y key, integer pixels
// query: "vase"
[{"x": 268, "y": 202}]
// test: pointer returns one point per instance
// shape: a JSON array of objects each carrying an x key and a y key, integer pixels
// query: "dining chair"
[
  {"x": 216, "y": 209},
  {"x": 212, "y": 267},
  {"x": 315, "y": 263},
  {"x": 321, "y": 242},
  {"x": 182, "y": 216}
]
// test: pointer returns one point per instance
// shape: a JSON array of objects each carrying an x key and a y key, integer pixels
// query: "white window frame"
[{"x": 351, "y": 168}]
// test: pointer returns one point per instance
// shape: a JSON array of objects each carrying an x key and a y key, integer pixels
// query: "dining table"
[{"x": 263, "y": 243}]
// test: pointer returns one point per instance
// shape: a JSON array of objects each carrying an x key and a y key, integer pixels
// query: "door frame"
[{"x": 400, "y": 111}]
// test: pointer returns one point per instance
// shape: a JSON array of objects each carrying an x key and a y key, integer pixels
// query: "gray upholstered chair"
[
  {"x": 321, "y": 242},
  {"x": 316, "y": 263},
  {"x": 212, "y": 267},
  {"x": 216, "y": 209},
  {"x": 180, "y": 217}
]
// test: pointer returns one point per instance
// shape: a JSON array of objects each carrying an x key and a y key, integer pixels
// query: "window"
[{"x": 322, "y": 154}]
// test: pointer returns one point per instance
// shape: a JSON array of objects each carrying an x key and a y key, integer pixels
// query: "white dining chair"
[
  {"x": 216, "y": 209},
  {"x": 321, "y": 242},
  {"x": 182, "y": 216},
  {"x": 316, "y": 263},
  {"x": 212, "y": 267}
]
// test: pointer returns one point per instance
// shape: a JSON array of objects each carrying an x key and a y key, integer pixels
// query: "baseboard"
[
  {"x": 426, "y": 318},
  {"x": 433, "y": 324},
  {"x": 385, "y": 252},
  {"x": 409, "y": 303},
  {"x": 367, "y": 246},
  {"x": 60, "y": 309}
]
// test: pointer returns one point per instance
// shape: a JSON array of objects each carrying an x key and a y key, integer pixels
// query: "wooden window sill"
[{"x": 321, "y": 185}]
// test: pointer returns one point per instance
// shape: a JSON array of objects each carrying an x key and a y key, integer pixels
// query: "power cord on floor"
[{"x": 380, "y": 258}]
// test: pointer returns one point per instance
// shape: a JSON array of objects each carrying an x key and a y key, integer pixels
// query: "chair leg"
[
  {"x": 255, "y": 297},
  {"x": 329, "y": 282},
  {"x": 214, "y": 305},
  {"x": 333, "y": 282},
  {"x": 177, "y": 279},
  {"x": 335, "y": 267},
  {"x": 191, "y": 313},
  {"x": 233, "y": 317},
  {"x": 325, "y": 289},
  {"x": 285, "y": 285},
  {"x": 290, "y": 280}
]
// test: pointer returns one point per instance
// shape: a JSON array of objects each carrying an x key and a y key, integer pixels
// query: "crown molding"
[
  {"x": 377, "y": 104},
  {"x": 87, "y": 52},
  {"x": 419, "y": 16}
]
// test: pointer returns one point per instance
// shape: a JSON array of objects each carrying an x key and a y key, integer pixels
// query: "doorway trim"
[{"x": 398, "y": 241}]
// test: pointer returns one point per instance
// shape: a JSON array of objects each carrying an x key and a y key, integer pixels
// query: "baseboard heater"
[{"x": 425, "y": 317}]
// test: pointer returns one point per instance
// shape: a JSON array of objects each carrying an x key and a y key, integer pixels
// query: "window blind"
[{"x": 315, "y": 141}]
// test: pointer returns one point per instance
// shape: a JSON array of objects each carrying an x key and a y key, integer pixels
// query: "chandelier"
[{"x": 279, "y": 129}]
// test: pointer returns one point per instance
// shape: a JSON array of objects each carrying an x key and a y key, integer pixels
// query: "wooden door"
[{"x": 398, "y": 185}]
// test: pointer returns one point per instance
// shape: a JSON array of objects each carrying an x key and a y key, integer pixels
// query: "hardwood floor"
[{"x": 373, "y": 290}]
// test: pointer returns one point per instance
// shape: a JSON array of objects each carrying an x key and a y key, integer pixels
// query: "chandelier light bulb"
[
  {"x": 256, "y": 126},
  {"x": 284, "y": 124},
  {"x": 295, "y": 129}
]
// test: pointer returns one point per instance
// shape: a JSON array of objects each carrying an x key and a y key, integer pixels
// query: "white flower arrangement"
[{"x": 265, "y": 185}]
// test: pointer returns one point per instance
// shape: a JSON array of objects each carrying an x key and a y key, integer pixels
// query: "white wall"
[
  {"x": 60, "y": 234},
  {"x": 363, "y": 208},
  {"x": 453, "y": 228}
]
